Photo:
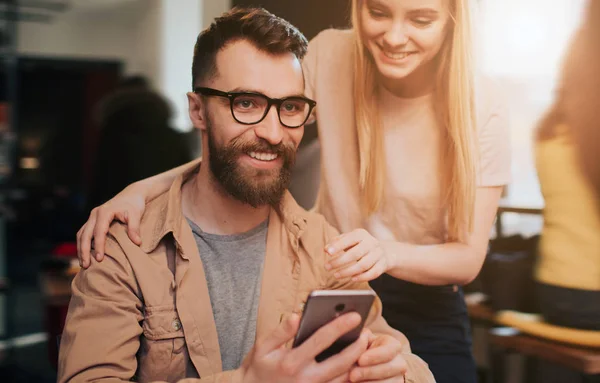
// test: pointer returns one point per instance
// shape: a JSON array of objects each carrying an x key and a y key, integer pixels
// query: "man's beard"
[{"x": 255, "y": 187}]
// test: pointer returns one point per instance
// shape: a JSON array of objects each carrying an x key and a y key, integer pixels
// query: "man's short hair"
[{"x": 267, "y": 32}]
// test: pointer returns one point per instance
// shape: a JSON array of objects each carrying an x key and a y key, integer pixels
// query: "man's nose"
[{"x": 270, "y": 129}]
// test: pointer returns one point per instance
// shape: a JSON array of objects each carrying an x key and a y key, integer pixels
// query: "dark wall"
[
  {"x": 55, "y": 106},
  {"x": 310, "y": 16}
]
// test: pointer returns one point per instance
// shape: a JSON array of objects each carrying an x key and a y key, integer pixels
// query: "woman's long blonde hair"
[{"x": 454, "y": 104}]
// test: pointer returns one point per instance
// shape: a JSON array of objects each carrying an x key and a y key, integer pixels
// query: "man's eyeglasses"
[{"x": 250, "y": 108}]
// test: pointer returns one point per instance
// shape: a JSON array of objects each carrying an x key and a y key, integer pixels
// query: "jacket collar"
[{"x": 164, "y": 215}]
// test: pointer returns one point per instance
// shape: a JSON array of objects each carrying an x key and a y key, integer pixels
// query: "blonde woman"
[{"x": 412, "y": 169}]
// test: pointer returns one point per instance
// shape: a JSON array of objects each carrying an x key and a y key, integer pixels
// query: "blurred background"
[{"x": 67, "y": 66}]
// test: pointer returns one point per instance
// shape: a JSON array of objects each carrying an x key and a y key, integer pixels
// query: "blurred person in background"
[
  {"x": 136, "y": 139},
  {"x": 413, "y": 165},
  {"x": 568, "y": 164}
]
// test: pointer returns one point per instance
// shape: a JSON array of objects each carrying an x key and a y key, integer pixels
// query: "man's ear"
[{"x": 197, "y": 109}]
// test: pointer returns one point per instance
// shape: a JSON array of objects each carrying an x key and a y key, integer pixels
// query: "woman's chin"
[{"x": 393, "y": 73}]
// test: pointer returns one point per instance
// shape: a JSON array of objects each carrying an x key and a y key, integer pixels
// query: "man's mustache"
[{"x": 286, "y": 151}]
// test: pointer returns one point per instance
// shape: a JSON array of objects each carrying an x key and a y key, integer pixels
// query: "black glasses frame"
[{"x": 270, "y": 102}]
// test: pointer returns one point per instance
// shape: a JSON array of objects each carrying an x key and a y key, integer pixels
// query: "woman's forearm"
[
  {"x": 153, "y": 186},
  {"x": 434, "y": 265},
  {"x": 449, "y": 263}
]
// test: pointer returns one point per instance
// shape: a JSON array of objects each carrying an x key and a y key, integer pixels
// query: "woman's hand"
[
  {"x": 128, "y": 207},
  {"x": 358, "y": 255}
]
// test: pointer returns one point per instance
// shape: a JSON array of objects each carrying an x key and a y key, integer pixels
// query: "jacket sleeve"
[
  {"x": 418, "y": 371},
  {"x": 102, "y": 330}
]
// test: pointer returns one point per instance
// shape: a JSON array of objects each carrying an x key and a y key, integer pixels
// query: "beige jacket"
[{"x": 145, "y": 312}]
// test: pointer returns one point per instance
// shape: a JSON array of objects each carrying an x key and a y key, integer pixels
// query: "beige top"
[{"x": 412, "y": 211}]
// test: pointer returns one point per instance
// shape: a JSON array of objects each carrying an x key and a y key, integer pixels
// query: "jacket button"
[{"x": 176, "y": 325}]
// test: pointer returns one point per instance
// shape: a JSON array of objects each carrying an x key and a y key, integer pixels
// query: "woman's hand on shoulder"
[
  {"x": 358, "y": 255},
  {"x": 127, "y": 207}
]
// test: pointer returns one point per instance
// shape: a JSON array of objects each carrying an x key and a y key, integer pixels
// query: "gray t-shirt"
[{"x": 233, "y": 267}]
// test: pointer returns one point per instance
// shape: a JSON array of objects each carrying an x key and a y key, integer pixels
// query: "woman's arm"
[
  {"x": 127, "y": 207},
  {"x": 451, "y": 263}
]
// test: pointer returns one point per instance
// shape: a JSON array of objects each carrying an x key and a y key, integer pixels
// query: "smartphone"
[{"x": 323, "y": 306}]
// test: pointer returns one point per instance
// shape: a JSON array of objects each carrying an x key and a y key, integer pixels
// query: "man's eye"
[
  {"x": 244, "y": 104},
  {"x": 290, "y": 107}
]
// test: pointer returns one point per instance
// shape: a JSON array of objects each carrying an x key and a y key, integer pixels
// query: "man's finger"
[
  {"x": 344, "y": 378},
  {"x": 323, "y": 338},
  {"x": 345, "y": 360},
  {"x": 394, "y": 368},
  {"x": 380, "y": 351}
]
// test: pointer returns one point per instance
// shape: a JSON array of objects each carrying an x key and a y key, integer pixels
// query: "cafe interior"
[{"x": 59, "y": 59}]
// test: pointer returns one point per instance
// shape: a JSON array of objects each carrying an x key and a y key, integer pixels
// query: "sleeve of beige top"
[
  {"x": 101, "y": 335},
  {"x": 418, "y": 371},
  {"x": 494, "y": 139}
]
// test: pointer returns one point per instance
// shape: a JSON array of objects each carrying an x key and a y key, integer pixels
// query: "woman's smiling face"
[{"x": 402, "y": 35}]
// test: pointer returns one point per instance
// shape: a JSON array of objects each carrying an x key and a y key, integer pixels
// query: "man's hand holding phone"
[
  {"x": 271, "y": 361},
  {"x": 330, "y": 345}
]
